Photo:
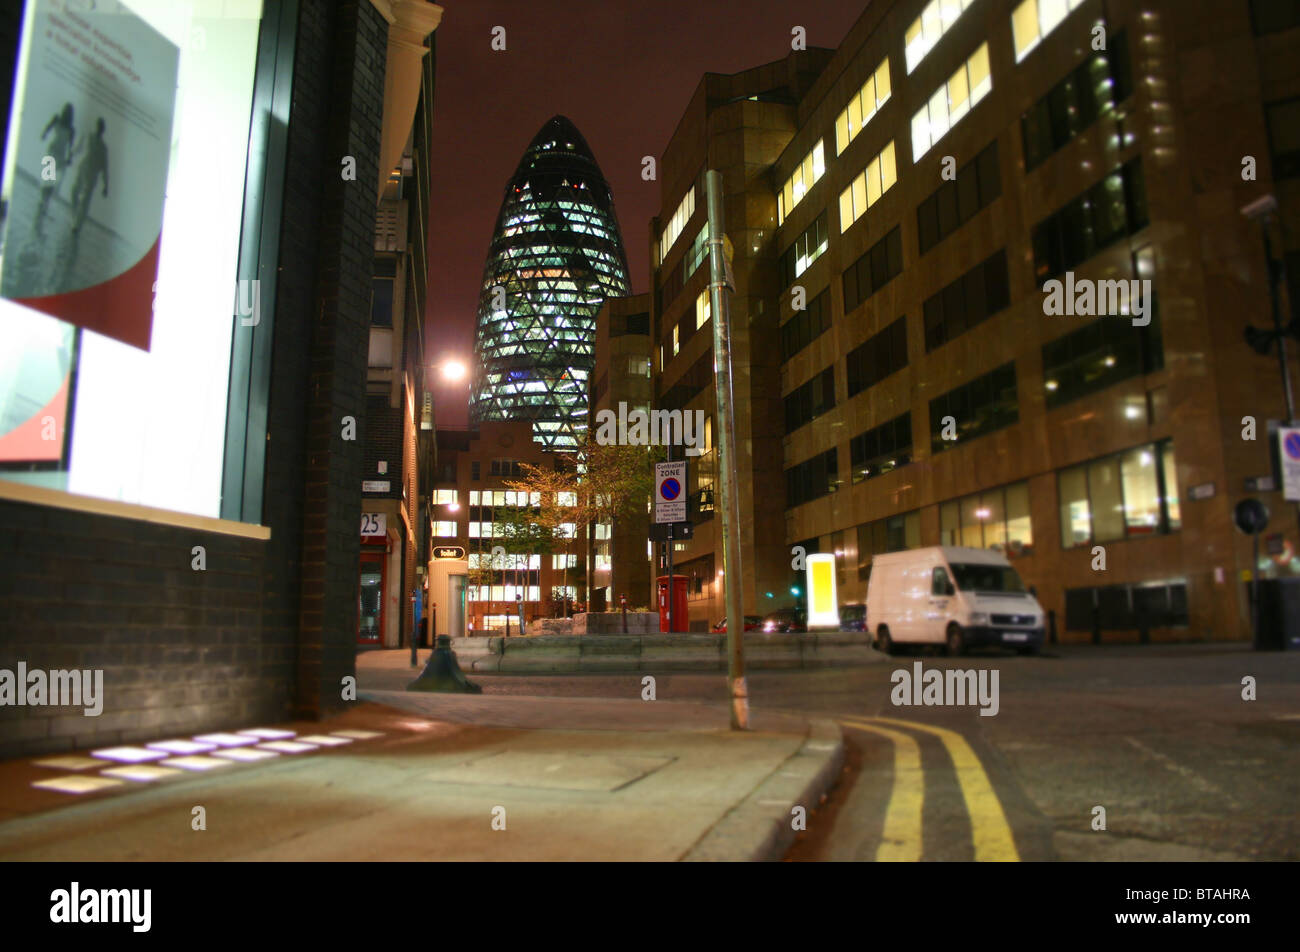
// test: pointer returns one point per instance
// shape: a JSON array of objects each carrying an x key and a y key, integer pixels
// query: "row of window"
[
  {"x": 978, "y": 184},
  {"x": 806, "y": 325},
  {"x": 1136, "y": 488},
  {"x": 973, "y": 298},
  {"x": 1097, "y": 355},
  {"x": 809, "y": 401},
  {"x": 877, "y": 267},
  {"x": 804, "y": 177},
  {"x": 864, "y": 191},
  {"x": 874, "y": 360},
  {"x": 812, "y": 479},
  {"x": 1112, "y": 209},
  {"x": 863, "y": 106},
  {"x": 981, "y": 406},
  {"x": 804, "y": 250},
  {"x": 951, "y": 102},
  {"x": 882, "y": 449},
  {"x": 1034, "y": 19},
  {"x": 1091, "y": 89},
  {"x": 677, "y": 223}
]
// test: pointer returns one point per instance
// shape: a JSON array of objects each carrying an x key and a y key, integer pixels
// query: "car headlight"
[
  {"x": 769, "y": 626},
  {"x": 979, "y": 618}
]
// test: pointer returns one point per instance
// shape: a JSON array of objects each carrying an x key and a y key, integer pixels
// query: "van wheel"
[
  {"x": 883, "y": 643},
  {"x": 956, "y": 641}
]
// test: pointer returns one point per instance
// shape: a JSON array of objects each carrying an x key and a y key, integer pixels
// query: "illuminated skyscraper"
[{"x": 555, "y": 256}]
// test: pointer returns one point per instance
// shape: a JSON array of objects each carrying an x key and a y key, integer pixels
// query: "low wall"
[{"x": 660, "y": 652}]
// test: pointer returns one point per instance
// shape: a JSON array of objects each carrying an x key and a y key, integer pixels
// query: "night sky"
[{"x": 622, "y": 70}]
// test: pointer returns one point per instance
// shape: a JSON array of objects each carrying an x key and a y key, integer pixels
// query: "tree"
[{"x": 598, "y": 484}]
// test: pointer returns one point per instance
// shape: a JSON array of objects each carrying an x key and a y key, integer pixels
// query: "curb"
[{"x": 758, "y": 829}]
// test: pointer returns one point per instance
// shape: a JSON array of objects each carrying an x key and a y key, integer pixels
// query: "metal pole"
[
  {"x": 719, "y": 305},
  {"x": 671, "y": 587},
  {"x": 1254, "y": 593}
]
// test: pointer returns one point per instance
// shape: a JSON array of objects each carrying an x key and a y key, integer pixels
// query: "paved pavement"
[{"x": 406, "y": 776}]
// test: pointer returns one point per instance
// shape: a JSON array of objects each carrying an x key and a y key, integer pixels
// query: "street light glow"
[{"x": 452, "y": 371}]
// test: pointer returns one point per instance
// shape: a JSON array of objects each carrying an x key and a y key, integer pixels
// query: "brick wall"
[{"x": 268, "y": 630}]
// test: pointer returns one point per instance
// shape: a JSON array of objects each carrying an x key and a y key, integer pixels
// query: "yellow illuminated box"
[{"x": 823, "y": 606}]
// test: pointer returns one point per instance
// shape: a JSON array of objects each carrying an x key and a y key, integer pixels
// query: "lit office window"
[
  {"x": 442, "y": 497},
  {"x": 797, "y": 185},
  {"x": 566, "y": 499},
  {"x": 877, "y": 178},
  {"x": 926, "y": 29},
  {"x": 862, "y": 107},
  {"x": 677, "y": 223},
  {"x": 995, "y": 519},
  {"x": 677, "y": 339},
  {"x": 444, "y": 530},
  {"x": 558, "y": 562},
  {"x": 1129, "y": 494},
  {"x": 951, "y": 101},
  {"x": 1034, "y": 19},
  {"x": 703, "y": 309}
]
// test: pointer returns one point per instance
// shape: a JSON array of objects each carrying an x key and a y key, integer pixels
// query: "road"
[{"x": 1160, "y": 737}]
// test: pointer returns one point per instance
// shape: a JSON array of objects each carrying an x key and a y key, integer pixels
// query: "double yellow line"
[{"x": 901, "y": 837}]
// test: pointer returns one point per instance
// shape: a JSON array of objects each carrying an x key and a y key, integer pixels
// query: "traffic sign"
[
  {"x": 1288, "y": 439},
  {"x": 670, "y": 491}
]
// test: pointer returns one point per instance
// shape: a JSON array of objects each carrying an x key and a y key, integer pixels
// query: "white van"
[{"x": 953, "y": 596}]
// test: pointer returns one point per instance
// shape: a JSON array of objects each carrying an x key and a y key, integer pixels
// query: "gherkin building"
[{"x": 556, "y": 254}]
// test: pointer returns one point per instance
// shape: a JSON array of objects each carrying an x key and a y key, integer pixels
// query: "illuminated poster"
[{"x": 85, "y": 173}]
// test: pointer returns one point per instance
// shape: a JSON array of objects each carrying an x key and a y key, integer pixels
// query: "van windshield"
[{"x": 1000, "y": 579}]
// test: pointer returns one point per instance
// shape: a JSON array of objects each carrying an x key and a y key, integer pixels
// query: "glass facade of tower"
[{"x": 556, "y": 254}]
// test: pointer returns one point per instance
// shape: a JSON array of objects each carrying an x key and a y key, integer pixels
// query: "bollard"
[{"x": 622, "y": 599}]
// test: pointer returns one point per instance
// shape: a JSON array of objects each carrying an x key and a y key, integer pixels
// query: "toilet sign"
[{"x": 670, "y": 492}]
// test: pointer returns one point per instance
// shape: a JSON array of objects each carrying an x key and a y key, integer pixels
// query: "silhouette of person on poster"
[
  {"x": 93, "y": 164},
  {"x": 60, "y": 149}
]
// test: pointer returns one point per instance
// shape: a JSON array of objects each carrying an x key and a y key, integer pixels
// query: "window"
[
  {"x": 812, "y": 479},
  {"x": 892, "y": 534},
  {"x": 559, "y": 562},
  {"x": 505, "y": 467},
  {"x": 1134, "y": 493},
  {"x": 442, "y": 497},
  {"x": 1091, "y": 89},
  {"x": 882, "y": 449},
  {"x": 970, "y": 300},
  {"x": 862, "y": 106},
  {"x": 995, "y": 519},
  {"x": 985, "y": 404},
  {"x": 926, "y": 29},
  {"x": 805, "y": 249},
  {"x": 1034, "y": 19},
  {"x": 677, "y": 339},
  {"x": 877, "y": 178},
  {"x": 978, "y": 184},
  {"x": 703, "y": 309},
  {"x": 1125, "y": 607},
  {"x": 381, "y": 296},
  {"x": 474, "y": 471},
  {"x": 638, "y": 366},
  {"x": 806, "y": 403},
  {"x": 798, "y": 184},
  {"x": 940, "y": 584},
  {"x": 880, "y": 356},
  {"x": 638, "y": 324},
  {"x": 806, "y": 325},
  {"x": 877, "y": 267},
  {"x": 699, "y": 249},
  {"x": 677, "y": 223},
  {"x": 1283, "y": 119},
  {"x": 1112, "y": 209},
  {"x": 1098, "y": 355},
  {"x": 444, "y": 530},
  {"x": 951, "y": 101}
]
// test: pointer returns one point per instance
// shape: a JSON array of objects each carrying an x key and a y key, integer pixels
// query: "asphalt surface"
[{"x": 1160, "y": 737}]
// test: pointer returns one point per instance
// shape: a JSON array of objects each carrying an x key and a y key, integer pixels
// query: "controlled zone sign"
[
  {"x": 1288, "y": 445},
  {"x": 670, "y": 492}
]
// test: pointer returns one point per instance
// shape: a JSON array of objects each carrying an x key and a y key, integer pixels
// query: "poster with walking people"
[{"x": 85, "y": 171}]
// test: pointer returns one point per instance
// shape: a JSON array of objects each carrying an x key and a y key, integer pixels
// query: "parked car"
[
  {"x": 751, "y": 623},
  {"x": 853, "y": 617},
  {"x": 952, "y": 596},
  {"x": 786, "y": 619}
]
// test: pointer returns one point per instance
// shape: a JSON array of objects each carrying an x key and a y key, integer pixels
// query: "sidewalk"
[{"x": 574, "y": 779}]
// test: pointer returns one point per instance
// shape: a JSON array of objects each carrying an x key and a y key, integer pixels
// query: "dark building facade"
[
  {"x": 556, "y": 254},
  {"x": 214, "y": 582},
  {"x": 903, "y": 375}
]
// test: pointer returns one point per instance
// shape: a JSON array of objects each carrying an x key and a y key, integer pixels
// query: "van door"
[{"x": 938, "y": 611}]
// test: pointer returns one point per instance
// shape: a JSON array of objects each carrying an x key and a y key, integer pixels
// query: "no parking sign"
[{"x": 670, "y": 492}]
